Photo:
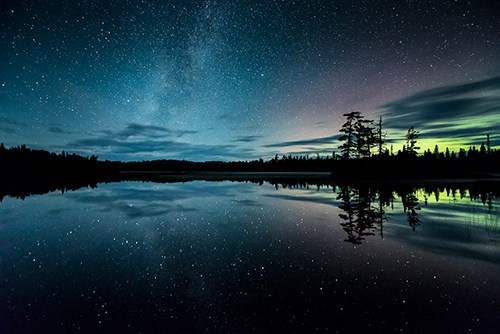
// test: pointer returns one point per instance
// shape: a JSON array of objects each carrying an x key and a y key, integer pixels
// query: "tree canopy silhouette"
[
  {"x": 350, "y": 133},
  {"x": 411, "y": 141}
]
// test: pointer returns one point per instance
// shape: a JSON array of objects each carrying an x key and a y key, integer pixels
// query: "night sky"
[{"x": 231, "y": 80}]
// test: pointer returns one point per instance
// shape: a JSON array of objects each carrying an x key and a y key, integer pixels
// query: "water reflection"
[
  {"x": 257, "y": 255},
  {"x": 363, "y": 206},
  {"x": 360, "y": 216},
  {"x": 24, "y": 186}
]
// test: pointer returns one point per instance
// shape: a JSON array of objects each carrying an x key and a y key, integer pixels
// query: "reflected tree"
[
  {"x": 348, "y": 198},
  {"x": 385, "y": 199},
  {"x": 410, "y": 207},
  {"x": 360, "y": 215}
]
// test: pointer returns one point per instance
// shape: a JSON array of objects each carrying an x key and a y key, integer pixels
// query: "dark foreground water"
[{"x": 222, "y": 257}]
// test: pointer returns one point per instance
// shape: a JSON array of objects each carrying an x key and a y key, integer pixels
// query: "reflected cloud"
[
  {"x": 248, "y": 202},
  {"x": 133, "y": 205},
  {"x": 448, "y": 239},
  {"x": 144, "y": 200},
  {"x": 310, "y": 199},
  {"x": 448, "y": 219}
]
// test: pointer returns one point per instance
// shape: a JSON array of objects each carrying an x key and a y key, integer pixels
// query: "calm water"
[{"x": 242, "y": 257}]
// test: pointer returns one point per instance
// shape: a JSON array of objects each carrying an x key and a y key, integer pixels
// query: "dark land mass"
[
  {"x": 361, "y": 188},
  {"x": 390, "y": 167},
  {"x": 25, "y": 172}
]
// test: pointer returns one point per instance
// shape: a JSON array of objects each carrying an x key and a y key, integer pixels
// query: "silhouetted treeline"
[
  {"x": 21, "y": 159},
  {"x": 286, "y": 163},
  {"x": 428, "y": 165},
  {"x": 471, "y": 163},
  {"x": 25, "y": 172},
  {"x": 363, "y": 154}
]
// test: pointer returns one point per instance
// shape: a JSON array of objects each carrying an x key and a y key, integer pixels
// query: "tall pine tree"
[{"x": 349, "y": 137}]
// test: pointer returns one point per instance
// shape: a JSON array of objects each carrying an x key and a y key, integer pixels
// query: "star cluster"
[{"x": 211, "y": 80}]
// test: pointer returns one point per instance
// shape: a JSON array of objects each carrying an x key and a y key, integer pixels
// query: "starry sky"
[{"x": 237, "y": 80}]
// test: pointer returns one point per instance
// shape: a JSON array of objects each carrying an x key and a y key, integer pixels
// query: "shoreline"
[{"x": 325, "y": 177}]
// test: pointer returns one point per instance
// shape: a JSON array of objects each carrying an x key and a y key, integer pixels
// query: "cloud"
[
  {"x": 148, "y": 131},
  {"x": 56, "y": 129},
  {"x": 181, "y": 133},
  {"x": 137, "y": 142},
  {"x": 6, "y": 129},
  {"x": 315, "y": 141},
  {"x": 8, "y": 125},
  {"x": 456, "y": 111},
  {"x": 136, "y": 130},
  {"x": 247, "y": 139},
  {"x": 456, "y": 132},
  {"x": 11, "y": 122},
  {"x": 321, "y": 123},
  {"x": 147, "y": 146}
]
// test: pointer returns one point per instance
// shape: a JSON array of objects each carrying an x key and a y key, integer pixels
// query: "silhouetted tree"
[
  {"x": 349, "y": 129},
  {"x": 462, "y": 154},
  {"x": 482, "y": 150},
  {"x": 411, "y": 141},
  {"x": 366, "y": 138},
  {"x": 488, "y": 144},
  {"x": 436, "y": 151},
  {"x": 380, "y": 137}
]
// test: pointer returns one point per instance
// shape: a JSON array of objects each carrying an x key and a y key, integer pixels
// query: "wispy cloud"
[
  {"x": 148, "y": 131},
  {"x": 457, "y": 111},
  {"x": 330, "y": 140},
  {"x": 10, "y": 126},
  {"x": 8, "y": 121},
  {"x": 136, "y": 142},
  {"x": 56, "y": 129},
  {"x": 135, "y": 130},
  {"x": 7, "y": 129},
  {"x": 247, "y": 139}
]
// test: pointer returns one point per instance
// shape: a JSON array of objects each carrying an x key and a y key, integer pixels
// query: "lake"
[{"x": 220, "y": 257}]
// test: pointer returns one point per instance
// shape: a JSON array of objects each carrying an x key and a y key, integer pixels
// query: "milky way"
[{"x": 223, "y": 80}]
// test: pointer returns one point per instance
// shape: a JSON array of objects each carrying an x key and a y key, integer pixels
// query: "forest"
[
  {"x": 25, "y": 172},
  {"x": 26, "y": 161}
]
